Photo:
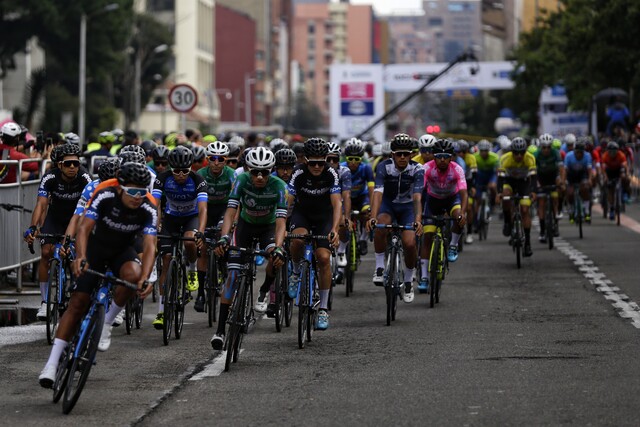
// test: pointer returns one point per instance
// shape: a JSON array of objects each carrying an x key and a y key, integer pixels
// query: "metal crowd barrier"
[{"x": 14, "y": 253}]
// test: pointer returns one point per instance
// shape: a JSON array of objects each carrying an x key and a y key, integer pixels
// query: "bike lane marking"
[{"x": 625, "y": 220}]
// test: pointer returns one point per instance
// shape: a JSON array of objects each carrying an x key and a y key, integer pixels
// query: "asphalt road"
[{"x": 535, "y": 346}]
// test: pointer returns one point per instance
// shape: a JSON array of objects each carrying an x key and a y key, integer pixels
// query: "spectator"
[
  {"x": 618, "y": 115},
  {"x": 10, "y": 135}
]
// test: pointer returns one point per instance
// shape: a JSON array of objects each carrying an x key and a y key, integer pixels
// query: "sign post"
[{"x": 183, "y": 98}]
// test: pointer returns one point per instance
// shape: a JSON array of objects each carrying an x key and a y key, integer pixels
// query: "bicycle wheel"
[
  {"x": 62, "y": 374},
  {"x": 182, "y": 297},
  {"x": 279, "y": 285},
  {"x": 517, "y": 242},
  {"x": 550, "y": 220},
  {"x": 52, "y": 300},
  {"x": 434, "y": 265},
  {"x": 128, "y": 316},
  {"x": 170, "y": 284},
  {"x": 303, "y": 305},
  {"x": 618, "y": 203},
  {"x": 352, "y": 251},
  {"x": 139, "y": 311},
  {"x": 211, "y": 285},
  {"x": 86, "y": 355},
  {"x": 389, "y": 289}
]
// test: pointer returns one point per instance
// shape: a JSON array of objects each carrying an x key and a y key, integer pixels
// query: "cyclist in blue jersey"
[
  {"x": 579, "y": 172},
  {"x": 185, "y": 212},
  {"x": 333, "y": 160},
  {"x": 397, "y": 198}
]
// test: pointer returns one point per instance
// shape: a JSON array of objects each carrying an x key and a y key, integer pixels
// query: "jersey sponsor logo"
[{"x": 118, "y": 226}]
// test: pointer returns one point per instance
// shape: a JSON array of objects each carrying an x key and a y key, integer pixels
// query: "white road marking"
[
  {"x": 12, "y": 335},
  {"x": 213, "y": 369}
]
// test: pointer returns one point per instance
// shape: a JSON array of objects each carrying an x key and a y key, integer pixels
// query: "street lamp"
[
  {"x": 82, "y": 84},
  {"x": 138, "y": 75}
]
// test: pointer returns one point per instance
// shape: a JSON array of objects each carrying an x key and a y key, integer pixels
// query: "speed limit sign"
[{"x": 183, "y": 98}]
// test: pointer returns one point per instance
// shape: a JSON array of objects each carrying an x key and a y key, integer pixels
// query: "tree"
[{"x": 306, "y": 115}]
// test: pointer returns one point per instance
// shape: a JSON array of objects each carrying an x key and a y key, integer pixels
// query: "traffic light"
[{"x": 433, "y": 129}]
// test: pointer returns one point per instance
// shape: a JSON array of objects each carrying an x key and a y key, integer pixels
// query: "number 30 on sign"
[{"x": 183, "y": 98}]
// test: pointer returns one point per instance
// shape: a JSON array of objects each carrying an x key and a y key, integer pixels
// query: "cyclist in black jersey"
[
  {"x": 58, "y": 195},
  {"x": 105, "y": 241}
]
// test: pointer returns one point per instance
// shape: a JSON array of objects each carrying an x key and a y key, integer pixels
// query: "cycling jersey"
[
  {"x": 471, "y": 162},
  {"x": 616, "y": 162},
  {"x": 360, "y": 179},
  {"x": 442, "y": 185},
  {"x": 548, "y": 165},
  {"x": 345, "y": 178},
  {"x": 182, "y": 199},
  {"x": 63, "y": 196},
  {"x": 86, "y": 195},
  {"x": 575, "y": 166},
  {"x": 399, "y": 186},
  {"x": 313, "y": 193},
  {"x": 218, "y": 187},
  {"x": 522, "y": 170},
  {"x": 460, "y": 161},
  {"x": 418, "y": 159},
  {"x": 259, "y": 205}
]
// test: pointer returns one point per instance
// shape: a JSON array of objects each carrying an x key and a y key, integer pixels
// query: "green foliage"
[{"x": 306, "y": 115}]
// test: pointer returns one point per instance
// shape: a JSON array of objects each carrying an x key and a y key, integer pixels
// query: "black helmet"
[
  {"x": 109, "y": 168},
  {"x": 402, "y": 141},
  {"x": 68, "y": 150},
  {"x": 298, "y": 148},
  {"x": 55, "y": 154},
  {"x": 131, "y": 157},
  {"x": 133, "y": 149},
  {"x": 581, "y": 143},
  {"x": 443, "y": 146},
  {"x": 286, "y": 157},
  {"x": 234, "y": 150},
  {"x": 161, "y": 152},
  {"x": 198, "y": 153},
  {"x": 316, "y": 147},
  {"x": 180, "y": 158},
  {"x": 518, "y": 145},
  {"x": 134, "y": 173},
  {"x": 148, "y": 146}
]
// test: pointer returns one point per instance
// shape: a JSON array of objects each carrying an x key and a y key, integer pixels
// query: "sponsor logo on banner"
[{"x": 357, "y": 99}]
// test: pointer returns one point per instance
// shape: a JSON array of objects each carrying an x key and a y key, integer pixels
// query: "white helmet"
[
  {"x": 72, "y": 138},
  {"x": 570, "y": 139},
  {"x": 11, "y": 129},
  {"x": 260, "y": 158},
  {"x": 427, "y": 141},
  {"x": 376, "y": 150},
  {"x": 333, "y": 148},
  {"x": 238, "y": 140},
  {"x": 277, "y": 143},
  {"x": 546, "y": 139},
  {"x": 386, "y": 148},
  {"x": 505, "y": 142},
  {"x": 217, "y": 148}
]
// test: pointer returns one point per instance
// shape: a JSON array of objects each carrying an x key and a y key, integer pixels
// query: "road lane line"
[
  {"x": 214, "y": 369},
  {"x": 625, "y": 220}
]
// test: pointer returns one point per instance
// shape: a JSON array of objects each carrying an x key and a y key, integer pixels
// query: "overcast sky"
[{"x": 387, "y": 7}]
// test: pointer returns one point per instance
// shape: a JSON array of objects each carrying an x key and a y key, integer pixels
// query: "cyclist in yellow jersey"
[
  {"x": 516, "y": 175},
  {"x": 425, "y": 147},
  {"x": 471, "y": 171}
]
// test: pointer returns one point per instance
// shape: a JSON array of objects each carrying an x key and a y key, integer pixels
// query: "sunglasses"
[
  {"x": 181, "y": 171},
  {"x": 425, "y": 150},
  {"x": 402, "y": 153},
  {"x": 518, "y": 153},
  {"x": 260, "y": 172},
  {"x": 442, "y": 156},
  {"x": 134, "y": 191},
  {"x": 71, "y": 163},
  {"x": 219, "y": 159},
  {"x": 164, "y": 164},
  {"x": 333, "y": 159},
  {"x": 232, "y": 161},
  {"x": 316, "y": 163},
  {"x": 354, "y": 159}
]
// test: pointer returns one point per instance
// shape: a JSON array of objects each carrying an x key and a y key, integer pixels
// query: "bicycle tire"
[
  {"x": 52, "y": 300},
  {"x": 181, "y": 300},
  {"x": 434, "y": 263},
  {"x": 245, "y": 308},
  {"x": 235, "y": 325},
  {"x": 388, "y": 283},
  {"x": 211, "y": 285},
  {"x": 62, "y": 374},
  {"x": 128, "y": 316},
  {"x": 279, "y": 287},
  {"x": 139, "y": 311},
  {"x": 82, "y": 364},
  {"x": 169, "y": 303},
  {"x": 550, "y": 220},
  {"x": 517, "y": 243},
  {"x": 618, "y": 202},
  {"x": 303, "y": 306}
]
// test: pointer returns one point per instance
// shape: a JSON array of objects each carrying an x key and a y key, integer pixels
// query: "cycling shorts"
[
  {"x": 519, "y": 187},
  {"x": 174, "y": 225},
  {"x": 545, "y": 180},
  {"x": 243, "y": 236},
  {"x": 215, "y": 213},
  {"x": 99, "y": 261},
  {"x": 577, "y": 177},
  {"x": 51, "y": 226},
  {"x": 613, "y": 174},
  {"x": 314, "y": 224},
  {"x": 434, "y": 206},
  {"x": 485, "y": 178},
  {"x": 361, "y": 203},
  {"x": 400, "y": 213}
]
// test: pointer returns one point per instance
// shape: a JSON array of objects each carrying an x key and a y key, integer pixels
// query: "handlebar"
[
  {"x": 12, "y": 207},
  {"x": 110, "y": 278},
  {"x": 396, "y": 227},
  {"x": 54, "y": 236},
  {"x": 307, "y": 237},
  {"x": 248, "y": 251}
]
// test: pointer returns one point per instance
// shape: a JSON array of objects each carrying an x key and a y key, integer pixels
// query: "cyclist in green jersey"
[
  {"x": 486, "y": 178},
  {"x": 550, "y": 172},
  {"x": 263, "y": 215},
  {"x": 220, "y": 179}
]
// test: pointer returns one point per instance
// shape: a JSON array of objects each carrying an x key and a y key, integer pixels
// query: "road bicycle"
[
  {"x": 484, "y": 215},
  {"x": 133, "y": 311},
  {"x": 438, "y": 262},
  {"x": 549, "y": 216},
  {"x": 517, "y": 239},
  {"x": 80, "y": 355},
  {"x": 215, "y": 275},
  {"x": 577, "y": 209},
  {"x": 352, "y": 254}
]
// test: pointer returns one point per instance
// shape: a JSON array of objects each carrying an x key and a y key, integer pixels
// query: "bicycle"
[
  {"x": 176, "y": 296},
  {"x": 438, "y": 262},
  {"x": 484, "y": 216},
  {"x": 57, "y": 294},
  {"x": 618, "y": 205},
  {"x": 578, "y": 214},
  {"x": 78, "y": 358},
  {"x": 216, "y": 272},
  {"x": 352, "y": 253},
  {"x": 517, "y": 239},
  {"x": 393, "y": 271},
  {"x": 308, "y": 299},
  {"x": 549, "y": 216},
  {"x": 133, "y": 311},
  {"x": 284, "y": 304},
  {"x": 241, "y": 315}
]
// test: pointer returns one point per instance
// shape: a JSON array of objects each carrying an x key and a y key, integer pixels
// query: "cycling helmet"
[
  {"x": 580, "y": 143},
  {"x": 209, "y": 138},
  {"x": 570, "y": 139},
  {"x": 484, "y": 145},
  {"x": 504, "y": 142},
  {"x": 386, "y": 148},
  {"x": 161, "y": 152},
  {"x": 546, "y": 139},
  {"x": 260, "y": 158},
  {"x": 55, "y": 154},
  {"x": 354, "y": 147},
  {"x": 286, "y": 157},
  {"x": 180, "y": 158},
  {"x": 11, "y": 130},
  {"x": 315, "y": 147},
  {"x": 557, "y": 144},
  {"x": 217, "y": 148},
  {"x": 134, "y": 173},
  {"x": 72, "y": 138},
  {"x": 277, "y": 144},
  {"x": 133, "y": 149},
  {"x": 613, "y": 146},
  {"x": 68, "y": 150},
  {"x": 234, "y": 150},
  {"x": 298, "y": 148},
  {"x": 333, "y": 148},
  {"x": 427, "y": 141},
  {"x": 106, "y": 138},
  {"x": 376, "y": 150},
  {"x": 402, "y": 141},
  {"x": 518, "y": 144},
  {"x": 132, "y": 157},
  {"x": 198, "y": 153},
  {"x": 109, "y": 168},
  {"x": 238, "y": 140},
  {"x": 535, "y": 142},
  {"x": 463, "y": 145},
  {"x": 118, "y": 134},
  {"x": 148, "y": 146},
  {"x": 443, "y": 146}
]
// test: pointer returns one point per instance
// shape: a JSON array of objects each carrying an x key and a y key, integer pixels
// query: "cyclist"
[
  {"x": 263, "y": 212},
  {"x": 344, "y": 173},
  {"x": 445, "y": 189},
  {"x": 516, "y": 175},
  {"x": 199, "y": 157},
  {"x": 486, "y": 178},
  {"x": 362, "y": 184},
  {"x": 397, "y": 198},
  {"x": 148, "y": 146},
  {"x": 105, "y": 240},
  {"x": 471, "y": 171},
  {"x": 315, "y": 200},
  {"x": 425, "y": 146},
  {"x": 550, "y": 171},
  {"x": 185, "y": 212},
  {"x": 58, "y": 194},
  {"x": 219, "y": 179},
  {"x": 298, "y": 148},
  {"x": 232, "y": 158},
  {"x": 503, "y": 145},
  {"x": 160, "y": 162},
  {"x": 285, "y": 161},
  {"x": 614, "y": 167},
  {"x": 579, "y": 172}
]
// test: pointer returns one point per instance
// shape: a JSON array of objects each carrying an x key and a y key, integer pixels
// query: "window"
[
  {"x": 160, "y": 5},
  {"x": 311, "y": 27},
  {"x": 312, "y": 44},
  {"x": 435, "y": 22},
  {"x": 259, "y": 55}
]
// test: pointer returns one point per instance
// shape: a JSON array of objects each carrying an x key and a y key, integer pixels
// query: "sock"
[
  {"x": 201, "y": 280},
  {"x": 454, "y": 238},
  {"x": 543, "y": 227},
  {"x": 324, "y": 299},
  {"x": 43, "y": 290},
  {"x": 342, "y": 247},
  {"x": 424, "y": 267},
  {"x": 58, "y": 347},
  {"x": 527, "y": 234},
  {"x": 161, "y": 304},
  {"x": 266, "y": 285},
  {"x": 469, "y": 229},
  {"x": 114, "y": 310},
  {"x": 222, "y": 320},
  {"x": 586, "y": 204},
  {"x": 408, "y": 274},
  {"x": 364, "y": 235},
  {"x": 193, "y": 266},
  {"x": 379, "y": 260}
]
